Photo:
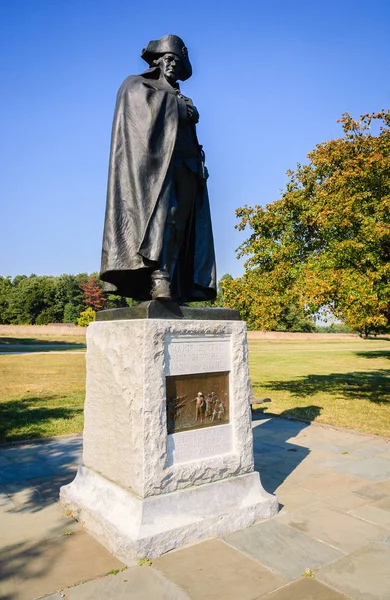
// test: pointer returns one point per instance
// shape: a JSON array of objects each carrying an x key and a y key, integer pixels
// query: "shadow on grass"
[
  {"x": 10, "y": 341},
  {"x": 24, "y": 413},
  {"x": 275, "y": 457},
  {"x": 10, "y": 345},
  {"x": 373, "y": 354},
  {"x": 360, "y": 385}
]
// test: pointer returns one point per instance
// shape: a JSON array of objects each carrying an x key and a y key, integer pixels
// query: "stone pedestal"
[{"x": 142, "y": 490}]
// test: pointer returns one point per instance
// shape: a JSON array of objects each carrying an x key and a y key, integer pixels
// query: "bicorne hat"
[{"x": 168, "y": 44}]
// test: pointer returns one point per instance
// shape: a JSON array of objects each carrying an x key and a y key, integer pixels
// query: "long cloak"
[{"x": 140, "y": 185}]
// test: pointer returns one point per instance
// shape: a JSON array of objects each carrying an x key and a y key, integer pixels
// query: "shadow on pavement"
[
  {"x": 30, "y": 479},
  {"x": 275, "y": 457},
  {"x": 31, "y": 475},
  {"x": 21, "y": 562}
]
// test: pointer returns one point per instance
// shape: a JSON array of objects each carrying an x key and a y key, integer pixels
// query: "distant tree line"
[{"x": 41, "y": 299}]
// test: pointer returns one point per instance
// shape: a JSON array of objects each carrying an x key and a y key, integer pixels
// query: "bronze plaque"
[{"x": 195, "y": 401}]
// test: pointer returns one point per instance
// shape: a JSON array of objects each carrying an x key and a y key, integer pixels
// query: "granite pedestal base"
[
  {"x": 154, "y": 480},
  {"x": 131, "y": 527}
]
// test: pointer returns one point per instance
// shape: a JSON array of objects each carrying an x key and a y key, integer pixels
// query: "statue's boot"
[
  {"x": 161, "y": 278},
  {"x": 161, "y": 289}
]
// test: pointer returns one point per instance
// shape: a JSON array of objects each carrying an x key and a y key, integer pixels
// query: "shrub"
[{"x": 86, "y": 317}]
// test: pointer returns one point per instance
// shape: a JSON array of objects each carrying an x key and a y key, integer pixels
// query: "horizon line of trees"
[{"x": 43, "y": 299}]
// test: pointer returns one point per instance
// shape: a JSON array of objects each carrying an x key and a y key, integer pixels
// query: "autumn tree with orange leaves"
[
  {"x": 326, "y": 241},
  {"x": 93, "y": 294}
]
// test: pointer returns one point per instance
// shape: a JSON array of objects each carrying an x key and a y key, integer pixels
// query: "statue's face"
[{"x": 170, "y": 65}]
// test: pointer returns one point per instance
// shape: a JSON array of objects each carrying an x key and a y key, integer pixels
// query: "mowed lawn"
[
  {"x": 41, "y": 395},
  {"x": 341, "y": 382}
]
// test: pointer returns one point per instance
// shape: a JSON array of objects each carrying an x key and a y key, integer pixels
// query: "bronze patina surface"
[
  {"x": 195, "y": 401},
  {"x": 158, "y": 239}
]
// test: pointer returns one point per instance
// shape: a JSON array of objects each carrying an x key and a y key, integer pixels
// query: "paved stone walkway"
[{"x": 330, "y": 541}]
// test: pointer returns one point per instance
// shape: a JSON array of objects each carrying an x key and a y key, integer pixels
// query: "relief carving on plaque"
[{"x": 195, "y": 401}]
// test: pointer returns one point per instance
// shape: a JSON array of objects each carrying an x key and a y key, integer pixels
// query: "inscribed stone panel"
[
  {"x": 190, "y": 354},
  {"x": 196, "y": 445}
]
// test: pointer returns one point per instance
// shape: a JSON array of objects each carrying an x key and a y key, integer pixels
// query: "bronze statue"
[{"x": 158, "y": 240}]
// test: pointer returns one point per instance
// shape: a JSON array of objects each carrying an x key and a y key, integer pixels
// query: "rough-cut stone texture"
[
  {"x": 125, "y": 412},
  {"x": 129, "y": 492},
  {"x": 132, "y": 528}
]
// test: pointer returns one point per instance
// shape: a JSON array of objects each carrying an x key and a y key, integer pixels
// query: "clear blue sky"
[{"x": 270, "y": 81}]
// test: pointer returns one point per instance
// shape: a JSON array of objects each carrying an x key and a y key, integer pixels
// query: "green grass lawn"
[
  {"x": 342, "y": 382},
  {"x": 41, "y": 396}
]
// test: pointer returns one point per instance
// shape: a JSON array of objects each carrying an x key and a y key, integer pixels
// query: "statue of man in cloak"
[{"x": 158, "y": 241}]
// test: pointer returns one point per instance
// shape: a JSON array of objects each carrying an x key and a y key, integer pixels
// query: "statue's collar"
[{"x": 154, "y": 73}]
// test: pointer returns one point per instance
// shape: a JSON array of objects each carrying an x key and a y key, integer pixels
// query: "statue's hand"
[{"x": 192, "y": 112}]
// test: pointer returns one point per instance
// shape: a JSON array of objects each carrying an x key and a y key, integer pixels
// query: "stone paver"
[
  {"x": 282, "y": 549},
  {"x": 136, "y": 583},
  {"x": 304, "y": 589},
  {"x": 215, "y": 571},
  {"x": 334, "y": 491},
  {"x": 23, "y": 471},
  {"x": 347, "y": 502},
  {"x": 373, "y": 514},
  {"x": 385, "y": 540},
  {"x": 384, "y": 503},
  {"x": 4, "y": 461},
  {"x": 293, "y": 497},
  {"x": 369, "y": 450},
  {"x": 19, "y": 527},
  {"x": 338, "y": 529},
  {"x": 33, "y": 570},
  {"x": 302, "y": 473},
  {"x": 373, "y": 469},
  {"x": 364, "y": 574},
  {"x": 329, "y": 486},
  {"x": 375, "y": 491},
  {"x": 329, "y": 459}
]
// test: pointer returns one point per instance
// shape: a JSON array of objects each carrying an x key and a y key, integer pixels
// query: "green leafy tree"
[
  {"x": 70, "y": 296},
  {"x": 326, "y": 241},
  {"x": 293, "y": 318},
  {"x": 32, "y": 300},
  {"x": 219, "y": 301},
  {"x": 115, "y": 301},
  {"x": 71, "y": 313},
  {"x": 5, "y": 294}
]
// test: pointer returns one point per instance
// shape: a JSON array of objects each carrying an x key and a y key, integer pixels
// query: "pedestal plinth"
[{"x": 168, "y": 456}]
